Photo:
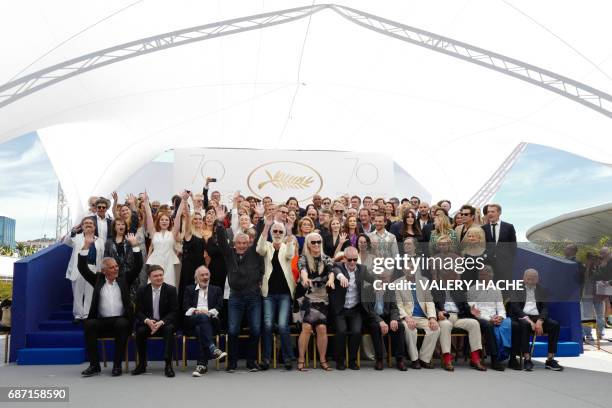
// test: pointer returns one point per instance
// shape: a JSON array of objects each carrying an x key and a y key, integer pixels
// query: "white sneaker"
[
  {"x": 200, "y": 371},
  {"x": 218, "y": 354}
]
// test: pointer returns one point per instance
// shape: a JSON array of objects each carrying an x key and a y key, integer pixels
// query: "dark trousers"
[
  {"x": 143, "y": 332},
  {"x": 117, "y": 327},
  {"x": 238, "y": 305},
  {"x": 487, "y": 330},
  {"x": 348, "y": 322},
  {"x": 551, "y": 327},
  {"x": 397, "y": 339},
  {"x": 204, "y": 329}
]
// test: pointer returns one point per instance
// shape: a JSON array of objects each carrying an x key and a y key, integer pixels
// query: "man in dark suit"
[
  {"x": 383, "y": 318},
  {"x": 111, "y": 309},
  {"x": 345, "y": 303},
  {"x": 156, "y": 314},
  {"x": 501, "y": 243},
  {"x": 202, "y": 303},
  {"x": 529, "y": 308}
]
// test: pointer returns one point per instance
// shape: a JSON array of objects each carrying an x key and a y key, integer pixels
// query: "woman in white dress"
[{"x": 163, "y": 238}]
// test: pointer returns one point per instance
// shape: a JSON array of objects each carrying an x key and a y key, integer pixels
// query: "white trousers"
[{"x": 81, "y": 294}]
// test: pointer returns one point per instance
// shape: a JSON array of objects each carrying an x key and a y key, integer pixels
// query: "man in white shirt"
[
  {"x": 101, "y": 220},
  {"x": 201, "y": 305},
  {"x": 487, "y": 306},
  {"x": 530, "y": 309},
  {"x": 111, "y": 311}
]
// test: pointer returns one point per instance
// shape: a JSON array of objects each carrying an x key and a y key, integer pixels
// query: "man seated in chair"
[
  {"x": 487, "y": 306},
  {"x": 454, "y": 311},
  {"x": 417, "y": 311},
  {"x": 201, "y": 304},
  {"x": 529, "y": 308},
  {"x": 111, "y": 311},
  {"x": 383, "y": 318},
  {"x": 156, "y": 314}
]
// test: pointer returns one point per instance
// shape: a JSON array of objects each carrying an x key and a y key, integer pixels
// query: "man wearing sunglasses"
[
  {"x": 102, "y": 222},
  {"x": 346, "y": 304},
  {"x": 467, "y": 214}
]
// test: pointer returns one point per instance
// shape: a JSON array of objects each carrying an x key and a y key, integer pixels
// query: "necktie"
[
  {"x": 379, "y": 307},
  {"x": 493, "y": 229},
  {"x": 155, "y": 304}
]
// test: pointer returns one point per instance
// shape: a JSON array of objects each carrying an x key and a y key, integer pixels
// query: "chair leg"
[
  {"x": 314, "y": 351},
  {"x": 184, "y": 352},
  {"x": 127, "y": 357},
  {"x": 6, "y": 348},
  {"x": 103, "y": 352},
  {"x": 389, "y": 352},
  {"x": 259, "y": 351},
  {"x": 227, "y": 351},
  {"x": 274, "y": 350},
  {"x": 217, "y": 360},
  {"x": 176, "y": 351}
]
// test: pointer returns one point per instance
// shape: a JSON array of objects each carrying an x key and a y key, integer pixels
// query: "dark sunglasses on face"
[
  {"x": 351, "y": 259},
  {"x": 277, "y": 231},
  {"x": 338, "y": 211},
  {"x": 465, "y": 214},
  {"x": 318, "y": 242},
  {"x": 101, "y": 207}
]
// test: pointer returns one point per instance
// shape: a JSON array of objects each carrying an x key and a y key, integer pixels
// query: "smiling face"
[
  {"x": 110, "y": 269},
  {"x": 125, "y": 213},
  {"x": 164, "y": 222},
  {"x": 156, "y": 277},
  {"x": 306, "y": 226},
  {"x": 197, "y": 221}
]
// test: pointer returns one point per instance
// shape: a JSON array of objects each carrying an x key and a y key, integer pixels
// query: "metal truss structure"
[
  {"x": 576, "y": 91},
  {"x": 63, "y": 222},
  {"x": 490, "y": 187}
]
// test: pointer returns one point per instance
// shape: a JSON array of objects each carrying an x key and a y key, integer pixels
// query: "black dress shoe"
[
  {"x": 528, "y": 365},
  {"x": 497, "y": 366},
  {"x": 415, "y": 365},
  {"x": 378, "y": 365},
  {"x": 140, "y": 369},
  {"x": 288, "y": 366},
  {"x": 168, "y": 371},
  {"x": 514, "y": 364},
  {"x": 253, "y": 366},
  {"x": 116, "y": 372},
  {"x": 264, "y": 366},
  {"x": 340, "y": 365},
  {"x": 401, "y": 365},
  {"x": 353, "y": 365},
  {"x": 91, "y": 370},
  {"x": 428, "y": 366}
]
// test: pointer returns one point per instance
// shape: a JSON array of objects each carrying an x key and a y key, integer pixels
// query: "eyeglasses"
[
  {"x": 318, "y": 242},
  {"x": 277, "y": 231},
  {"x": 465, "y": 214},
  {"x": 284, "y": 212},
  {"x": 351, "y": 259},
  {"x": 101, "y": 207}
]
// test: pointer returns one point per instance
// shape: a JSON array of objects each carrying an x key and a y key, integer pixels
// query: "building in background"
[
  {"x": 40, "y": 243},
  {"x": 7, "y": 231}
]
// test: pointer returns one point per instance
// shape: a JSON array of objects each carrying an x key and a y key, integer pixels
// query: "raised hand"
[
  {"x": 115, "y": 197},
  {"x": 185, "y": 195},
  {"x": 131, "y": 238},
  {"x": 259, "y": 208},
  {"x": 88, "y": 239},
  {"x": 343, "y": 237},
  {"x": 220, "y": 213}
]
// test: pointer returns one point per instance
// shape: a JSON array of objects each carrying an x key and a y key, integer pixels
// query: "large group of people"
[{"x": 202, "y": 268}]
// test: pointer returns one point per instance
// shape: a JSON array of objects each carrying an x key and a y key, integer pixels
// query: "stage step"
[
  {"x": 59, "y": 325},
  {"x": 62, "y": 315},
  {"x": 55, "y": 339},
  {"x": 66, "y": 355},
  {"x": 564, "y": 349},
  {"x": 66, "y": 307}
]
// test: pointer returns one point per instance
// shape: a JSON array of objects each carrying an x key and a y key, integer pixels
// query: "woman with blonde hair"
[
  {"x": 442, "y": 227},
  {"x": 474, "y": 247},
  {"x": 316, "y": 276},
  {"x": 305, "y": 226}
]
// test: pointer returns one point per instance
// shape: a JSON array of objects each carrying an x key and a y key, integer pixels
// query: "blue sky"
[{"x": 543, "y": 183}]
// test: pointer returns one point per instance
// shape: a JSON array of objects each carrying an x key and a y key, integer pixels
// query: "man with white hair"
[
  {"x": 111, "y": 311},
  {"x": 529, "y": 308},
  {"x": 277, "y": 288},
  {"x": 245, "y": 270},
  {"x": 201, "y": 305}
]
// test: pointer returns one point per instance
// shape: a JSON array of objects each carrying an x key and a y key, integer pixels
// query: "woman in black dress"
[
  {"x": 193, "y": 247},
  {"x": 213, "y": 255},
  {"x": 119, "y": 247}
]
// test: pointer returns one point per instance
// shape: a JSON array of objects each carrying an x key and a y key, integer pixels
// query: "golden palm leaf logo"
[{"x": 284, "y": 181}]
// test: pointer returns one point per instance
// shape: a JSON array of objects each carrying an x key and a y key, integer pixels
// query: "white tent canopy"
[{"x": 319, "y": 82}]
